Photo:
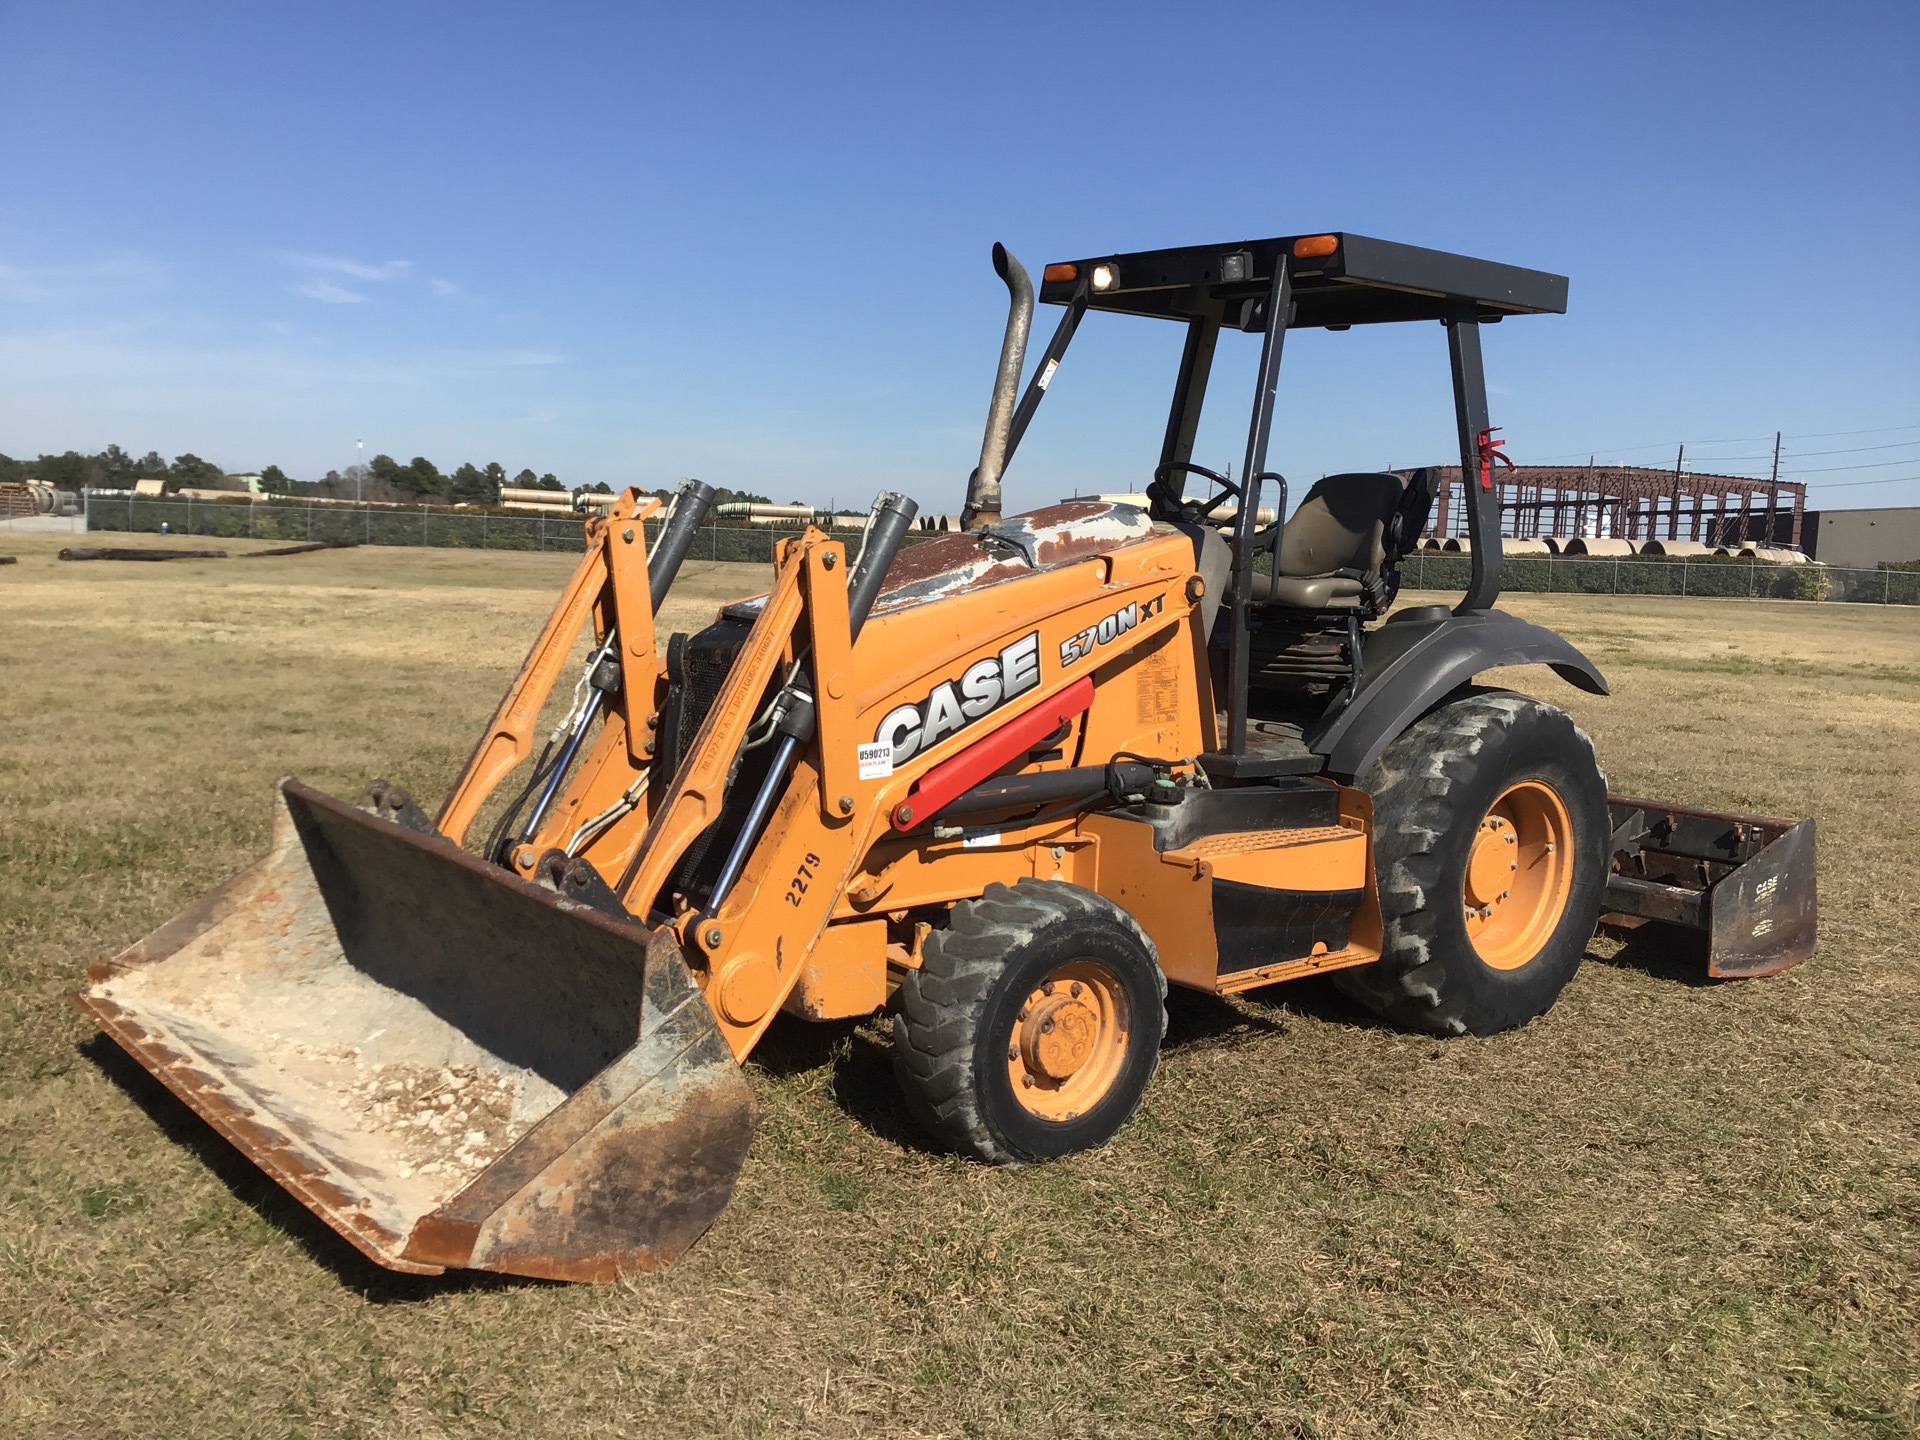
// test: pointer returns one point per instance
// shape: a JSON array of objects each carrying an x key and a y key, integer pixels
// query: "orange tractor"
[{"x": 1005, "y": 785}]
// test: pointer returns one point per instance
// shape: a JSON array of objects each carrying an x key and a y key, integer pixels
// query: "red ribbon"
[{"x": 1489, "y": 453}]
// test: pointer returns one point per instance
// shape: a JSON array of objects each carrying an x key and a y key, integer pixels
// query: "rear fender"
[{"x": 1413, "y": 663}]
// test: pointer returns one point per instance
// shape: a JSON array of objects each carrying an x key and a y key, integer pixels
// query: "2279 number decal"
[
  {"x": 1119, "y": 623},
  {"x": 797, "y": 886}
]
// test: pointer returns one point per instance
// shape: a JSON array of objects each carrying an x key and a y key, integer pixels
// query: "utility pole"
[
  {"x": 1773, "y": 489},
  {"x": 1673, "y": 518}
]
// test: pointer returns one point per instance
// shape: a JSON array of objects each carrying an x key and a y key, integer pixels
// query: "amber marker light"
[
  {"x": 1312, "y": 247},
  {"x": 1061, "y": 270}
]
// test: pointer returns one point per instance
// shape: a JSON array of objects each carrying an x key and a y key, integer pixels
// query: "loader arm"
[
  {"x": 749, "y": 954},
  {"x": 608, "y": 584},
  {"x": 694, "y": 799}
]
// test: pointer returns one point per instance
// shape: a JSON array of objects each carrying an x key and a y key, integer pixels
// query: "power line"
[
  {"x": 1810, "y": 454},
  {"x": 1862, "y": 449},
  {"x": 1835, "y": 434},
  {"x": 1850, "y": 484},
  {"x": 1865, "y": 465},
  {"x": 1743, "y": 440},
  {"x": 1654, "y": 445}
]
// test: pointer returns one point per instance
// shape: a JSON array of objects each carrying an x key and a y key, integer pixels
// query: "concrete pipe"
[{"x": 1599, "y": 545}]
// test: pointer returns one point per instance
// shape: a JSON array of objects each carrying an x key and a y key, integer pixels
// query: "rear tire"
[
  {"x": 1033, "y": 1024},
  {"x": 1485, "y": 914}
]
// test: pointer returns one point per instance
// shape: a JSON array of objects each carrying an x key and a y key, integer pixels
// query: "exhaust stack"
[{"x": 983, "y": 488}]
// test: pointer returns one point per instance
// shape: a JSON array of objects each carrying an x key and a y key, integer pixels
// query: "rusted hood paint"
[{"x": 1010, "y": 550}]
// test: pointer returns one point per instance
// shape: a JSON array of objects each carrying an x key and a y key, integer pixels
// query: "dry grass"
[{"x": 1667, "y": 1208}]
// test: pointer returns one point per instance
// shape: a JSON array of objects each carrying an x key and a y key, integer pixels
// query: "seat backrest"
[
  {"x": 1402, "y": 535},
  {"x": 1341, "y": 525}
]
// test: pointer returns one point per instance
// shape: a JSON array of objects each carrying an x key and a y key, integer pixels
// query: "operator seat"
[{"x": 1336, "y": 548}]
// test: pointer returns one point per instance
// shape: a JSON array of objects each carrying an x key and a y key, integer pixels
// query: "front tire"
[
  {"x": 1033, "y": 1024},
  {"x": 1491, "y": 845}
]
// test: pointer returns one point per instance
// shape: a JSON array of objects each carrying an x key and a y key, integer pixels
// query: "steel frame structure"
[{"x": 1630, "y": 502}]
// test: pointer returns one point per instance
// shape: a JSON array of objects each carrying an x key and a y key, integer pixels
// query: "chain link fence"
[
  {"x": 293, "y": 521},
  {"x": 1724, "y": 578}
]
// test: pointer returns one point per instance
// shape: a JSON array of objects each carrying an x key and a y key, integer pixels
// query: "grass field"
[{"x": 1667, "y": 1208}]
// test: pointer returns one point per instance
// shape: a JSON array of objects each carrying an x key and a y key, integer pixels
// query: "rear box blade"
[
  {"x": 450, "y": 1066},
  {"x": 1747, "y": 881}
]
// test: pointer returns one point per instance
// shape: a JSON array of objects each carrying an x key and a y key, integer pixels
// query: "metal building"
[{"x": 1865, "y": 539}]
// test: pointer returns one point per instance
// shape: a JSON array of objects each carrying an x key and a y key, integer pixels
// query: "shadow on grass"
[
  {"x": 255, "y": 1189},
  {"x": 1315, "y": 997},
  {"x": 1664, "y": 952},
  {"x": 858, "y": 1054}
]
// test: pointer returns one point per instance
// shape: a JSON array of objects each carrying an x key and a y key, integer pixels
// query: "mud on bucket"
[{"x": 451, "y": 1066}]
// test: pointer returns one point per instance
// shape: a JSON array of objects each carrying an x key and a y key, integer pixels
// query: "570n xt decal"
[{"x": 1119, "y": 623}]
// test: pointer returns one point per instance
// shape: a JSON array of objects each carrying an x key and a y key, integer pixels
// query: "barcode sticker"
[{"x": 875, "y": 760}]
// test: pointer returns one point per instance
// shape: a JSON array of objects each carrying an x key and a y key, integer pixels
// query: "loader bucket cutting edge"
[
  {"x": 450, "y": 1066},
  {"x": 1748, "y": 881}
]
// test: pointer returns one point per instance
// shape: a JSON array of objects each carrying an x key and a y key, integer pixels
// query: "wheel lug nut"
[
  {"x": 1027, "y": 1081},
  {"x": 1046, "y": 1027},
  {"x": 1047, "y": 989},
  {"x": 1077, "y": 987},
  {"x": 1013, "y": 1052}
]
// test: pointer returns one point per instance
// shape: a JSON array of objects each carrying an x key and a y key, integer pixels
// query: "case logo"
[{"x": 984, "y": 687}]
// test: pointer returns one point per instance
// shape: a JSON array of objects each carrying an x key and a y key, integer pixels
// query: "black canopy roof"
[{"x": 1362, "y": 282}]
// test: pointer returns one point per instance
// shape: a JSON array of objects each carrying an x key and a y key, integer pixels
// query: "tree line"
[
  {"x": 418, "y": 481},
  {"x": 113, "y": 468}
]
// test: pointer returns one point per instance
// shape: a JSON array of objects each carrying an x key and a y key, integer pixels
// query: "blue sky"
[{"x": 750, "y": 243}]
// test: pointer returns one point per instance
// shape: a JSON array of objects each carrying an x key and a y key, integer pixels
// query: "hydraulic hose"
[
  {"x": 690, "y": 506},
  {"x": 892, "y": 515}
]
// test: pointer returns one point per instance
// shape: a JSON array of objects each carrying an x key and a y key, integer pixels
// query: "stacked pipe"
[
  {"x": 557, "y": 502},
  {"x": 764, "y": 514},
  {"x": 36, "y": 497}
]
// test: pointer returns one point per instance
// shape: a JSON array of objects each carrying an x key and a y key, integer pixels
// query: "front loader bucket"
[
  {"x": 1746, "y": 880},
  {"x": 450, "y": 1066}
]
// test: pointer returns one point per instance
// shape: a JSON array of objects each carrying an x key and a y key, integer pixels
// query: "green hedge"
[
  {"x": 1722, "y": 576},
  {"x": 294, "y": 523}
]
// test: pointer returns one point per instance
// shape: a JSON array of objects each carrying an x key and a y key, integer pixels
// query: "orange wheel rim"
[
  {"x": 1069, "y": 1041},
  {"x": 1519, "y": 874}
]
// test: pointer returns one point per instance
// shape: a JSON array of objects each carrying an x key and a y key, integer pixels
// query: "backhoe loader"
[{"x": 1003, "y": 786}]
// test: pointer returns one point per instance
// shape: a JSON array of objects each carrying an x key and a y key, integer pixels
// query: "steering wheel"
[{"x": 1199, "y": 511}]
